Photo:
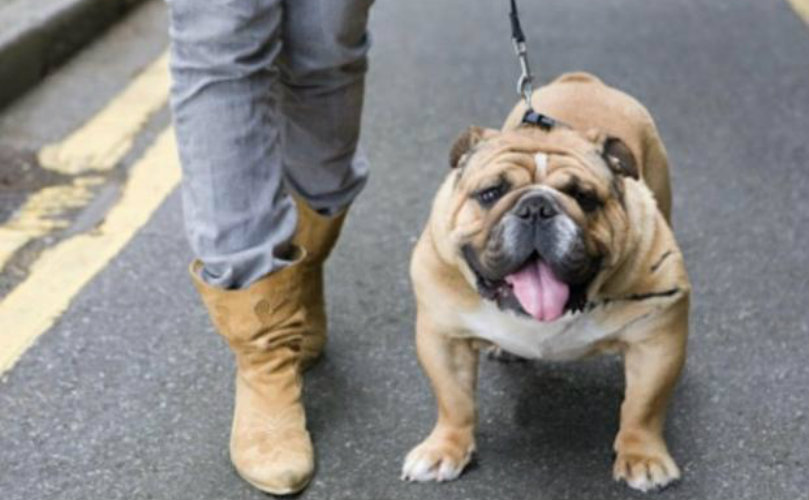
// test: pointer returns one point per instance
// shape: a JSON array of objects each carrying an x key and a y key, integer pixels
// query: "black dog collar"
[{"x": 544, "y": 122}]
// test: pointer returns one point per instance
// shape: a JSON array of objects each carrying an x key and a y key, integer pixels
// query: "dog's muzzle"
[{"x": 536, "y": 259}]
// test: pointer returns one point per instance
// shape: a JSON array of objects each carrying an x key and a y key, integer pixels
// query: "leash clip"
[{"x": 525, "y": 84}]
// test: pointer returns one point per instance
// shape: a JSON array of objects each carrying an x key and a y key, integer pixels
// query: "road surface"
[{"x": 127, "y": 393}]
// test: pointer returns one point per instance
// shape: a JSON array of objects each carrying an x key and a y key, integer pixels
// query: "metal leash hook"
[{"x": 525, "y": 84}]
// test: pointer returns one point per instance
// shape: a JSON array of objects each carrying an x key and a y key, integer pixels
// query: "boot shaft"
[{"x": 316, "y": 233}]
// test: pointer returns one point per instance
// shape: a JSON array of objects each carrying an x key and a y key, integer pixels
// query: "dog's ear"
[
  {"x": 620, "y": 158},
  {"x": 616, "y": 154},
  {"x": 465, "y": 142}
]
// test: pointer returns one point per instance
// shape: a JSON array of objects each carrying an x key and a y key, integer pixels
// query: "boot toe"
[{"x": 284, "y": 473}]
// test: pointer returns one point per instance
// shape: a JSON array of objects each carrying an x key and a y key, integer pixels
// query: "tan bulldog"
[{"x": 554, "y": 244}]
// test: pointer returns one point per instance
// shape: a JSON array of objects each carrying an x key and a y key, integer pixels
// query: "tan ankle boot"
[
  {"x": 317, "y": 234},
  {"x": 269, "y": 444}
]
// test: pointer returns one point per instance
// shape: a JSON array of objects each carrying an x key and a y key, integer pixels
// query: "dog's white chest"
[{"x": 569, "y": 337}]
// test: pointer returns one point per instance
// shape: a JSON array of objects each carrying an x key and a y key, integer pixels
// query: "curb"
[{"x": 40, "y": 41}]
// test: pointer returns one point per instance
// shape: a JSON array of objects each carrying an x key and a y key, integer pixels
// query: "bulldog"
[{"x": 554, "y": 243}]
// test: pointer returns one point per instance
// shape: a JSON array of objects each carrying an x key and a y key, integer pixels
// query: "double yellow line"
[{"x": 61, "y": 271}]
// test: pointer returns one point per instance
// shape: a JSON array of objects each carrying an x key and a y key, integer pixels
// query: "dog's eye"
[
  {"x": 487, "y": 196},
  {"x": 587, "y": 200}
]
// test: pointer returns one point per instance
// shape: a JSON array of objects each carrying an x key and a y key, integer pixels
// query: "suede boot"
[
  {"x": 263, "y": 324},
  {"x": 316, "y": 234}
]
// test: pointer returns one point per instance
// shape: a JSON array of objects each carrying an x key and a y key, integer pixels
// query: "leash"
[{"x": 525, "y": 84}]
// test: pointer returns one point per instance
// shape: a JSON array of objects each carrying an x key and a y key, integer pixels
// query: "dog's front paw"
[
  {"x": 438, "y": 458},
  {"x": 644, "y": 463}
]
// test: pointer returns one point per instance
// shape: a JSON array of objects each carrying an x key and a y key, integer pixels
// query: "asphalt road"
[{"x": 129, "y": 394}]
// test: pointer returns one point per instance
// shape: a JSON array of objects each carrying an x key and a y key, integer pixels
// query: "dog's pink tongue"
[{"x": 539, "y": 291}]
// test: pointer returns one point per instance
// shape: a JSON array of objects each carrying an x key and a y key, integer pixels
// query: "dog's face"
[{"x": 538, "y": 214}]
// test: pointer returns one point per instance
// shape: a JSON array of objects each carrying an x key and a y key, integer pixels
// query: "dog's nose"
[{"x": 536, "y": 207}]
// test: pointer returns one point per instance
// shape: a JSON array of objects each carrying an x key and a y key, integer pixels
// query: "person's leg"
[
  {"x": 323, "y": 66},
  {"x": 224, "y": 100},
  {"x": 240, "y": 223}
]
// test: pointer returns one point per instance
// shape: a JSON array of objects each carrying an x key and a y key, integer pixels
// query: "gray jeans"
[{"x": 266, "y": 97}]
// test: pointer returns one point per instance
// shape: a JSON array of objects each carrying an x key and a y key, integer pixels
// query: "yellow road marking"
[
  {"x": 802, "y": 8},
  {"x": 62, "y": 271},
  {"x": 106, "y": 139},
  {"x": 40, "y": 214},
  {"x": 98, "y": 145}
]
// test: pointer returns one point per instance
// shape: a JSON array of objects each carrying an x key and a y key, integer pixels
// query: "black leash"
[{"x": 525, "y": 84}]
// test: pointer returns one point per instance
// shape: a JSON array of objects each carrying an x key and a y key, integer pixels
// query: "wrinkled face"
[{"x": 537, "y": 215}]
